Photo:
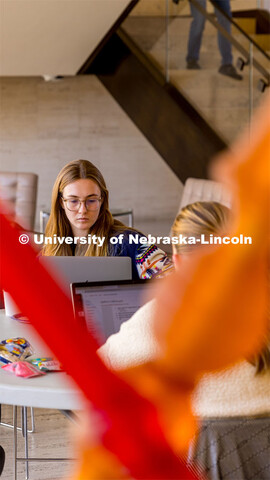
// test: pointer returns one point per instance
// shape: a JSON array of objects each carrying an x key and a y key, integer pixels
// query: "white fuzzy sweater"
[
  {"x": 134, "y": 344},
  {"x": 235, "y": 391}
]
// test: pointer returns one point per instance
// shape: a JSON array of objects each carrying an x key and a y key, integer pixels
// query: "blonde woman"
[
  {"x": 134, "y": 343},
  {"x": 233, "y": 405},
  {"x": 80, "y": 210}
]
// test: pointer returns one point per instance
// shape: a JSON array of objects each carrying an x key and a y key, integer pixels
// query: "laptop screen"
[
  {"x": 104, "y": 306},
  {"x": 69, "y": 270}
]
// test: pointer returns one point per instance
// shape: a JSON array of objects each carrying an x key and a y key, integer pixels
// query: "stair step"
[
  {"x": 247, "y": 24},
  {"x": 238, "y": 5},
  {"x": 208, "y": 88},
  {"x": 263, "y": 40},
  {"x": 222, "y": 101}
]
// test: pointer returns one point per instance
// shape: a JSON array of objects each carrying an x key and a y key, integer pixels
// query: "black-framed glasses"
[{"x": 91, "y": 204}]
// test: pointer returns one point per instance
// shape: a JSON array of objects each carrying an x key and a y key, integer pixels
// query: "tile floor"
[{"x": 52, "y": 438}]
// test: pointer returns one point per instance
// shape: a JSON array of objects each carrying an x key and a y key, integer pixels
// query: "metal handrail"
[{"x": 234, "y": 42}]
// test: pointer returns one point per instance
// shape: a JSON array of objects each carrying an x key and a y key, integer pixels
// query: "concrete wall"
[{"x": 44, "y": 125}]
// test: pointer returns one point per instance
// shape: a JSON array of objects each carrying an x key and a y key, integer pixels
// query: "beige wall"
[
  {"x": 52, "y": 37},
  {"x": 44, "y": 125}
]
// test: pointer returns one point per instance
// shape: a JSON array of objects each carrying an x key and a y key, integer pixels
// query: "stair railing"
[{"x": 247, "y": 54}]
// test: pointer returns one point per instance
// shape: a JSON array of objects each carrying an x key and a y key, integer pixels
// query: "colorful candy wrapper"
[
  {"x": 23, "y": 369},
  {"x": 47, "y": 364},
  {"x": 14, "y": 349}
]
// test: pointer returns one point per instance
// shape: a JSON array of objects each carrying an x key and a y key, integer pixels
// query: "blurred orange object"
[
  {"x": 214, "y": 312},
  {"x": 97, "y": 463}
]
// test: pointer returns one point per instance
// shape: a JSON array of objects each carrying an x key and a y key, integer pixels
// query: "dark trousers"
[{"x": 197, "y": 28}]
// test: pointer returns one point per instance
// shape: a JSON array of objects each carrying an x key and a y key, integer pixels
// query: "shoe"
[
  {"x": 2, "y": 459},
  {"x": 193, "y": 65},
  {"x": 230, "y": 71}
]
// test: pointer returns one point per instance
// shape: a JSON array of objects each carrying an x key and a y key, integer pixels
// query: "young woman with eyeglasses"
[{"x": 80, "y": 206}]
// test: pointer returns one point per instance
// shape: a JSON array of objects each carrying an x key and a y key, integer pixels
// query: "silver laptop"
[
  {"x": 67, "y": 270},
  {"x": 103, "y": 306}
]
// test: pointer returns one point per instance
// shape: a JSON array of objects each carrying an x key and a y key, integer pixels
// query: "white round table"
[{"x": 53, "y": 390}]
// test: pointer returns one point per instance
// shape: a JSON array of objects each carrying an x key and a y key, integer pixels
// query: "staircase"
[
  {"x": 187, "y": 115},
  {"x": 226, "y": 104}
]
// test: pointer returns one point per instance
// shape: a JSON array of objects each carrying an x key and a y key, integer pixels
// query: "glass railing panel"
[
  {"x": 161, "y": 28},
  {"x": 259, "y": 84},
  {"x": 253, "y": 19},
  {"x": 194, "y": 69},
  {"x": 222, "y": 98},
  {"x": 147, "y": 26}
]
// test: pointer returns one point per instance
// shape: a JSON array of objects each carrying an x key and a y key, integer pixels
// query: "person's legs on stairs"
[
  {"x": 195, "y": 35},
  {"x": 225, "y": 46}
]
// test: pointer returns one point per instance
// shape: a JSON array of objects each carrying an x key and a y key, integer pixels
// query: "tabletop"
[{"x": 53, "y": 390}]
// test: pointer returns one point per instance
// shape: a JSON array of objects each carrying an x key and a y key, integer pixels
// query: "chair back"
[
  {"x": 197, "y": 190},
  {"x": 20, "y": 191}
]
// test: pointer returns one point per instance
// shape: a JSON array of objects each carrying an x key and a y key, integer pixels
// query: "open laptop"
[
  {"x": 67, "y": 270},
  {"x": 104, "y": 306}
]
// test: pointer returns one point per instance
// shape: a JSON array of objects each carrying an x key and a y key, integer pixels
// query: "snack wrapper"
[
  {"x": 23, "y": 369},
  {"x": 14, "y": 349},
  {"x": 47, "y": 364}
]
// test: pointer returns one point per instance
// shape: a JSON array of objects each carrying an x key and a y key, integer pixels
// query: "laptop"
[
  {"x": 104, "y": 306},
  {"x": 67, "y": 270}
]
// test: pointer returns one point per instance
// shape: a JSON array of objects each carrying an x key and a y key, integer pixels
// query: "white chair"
[
  {"x": 19, "y": 189},
  {"x": 196, "y": 190}
]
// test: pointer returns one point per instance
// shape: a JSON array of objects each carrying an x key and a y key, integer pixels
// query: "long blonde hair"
[
  {"x": 59, "y": 225},
  {"x": 199, "y": 218},
  {"x": 212, "y": 218}
]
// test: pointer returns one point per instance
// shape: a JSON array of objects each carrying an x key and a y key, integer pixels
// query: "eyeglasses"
[{"x": 91, "y": 204}]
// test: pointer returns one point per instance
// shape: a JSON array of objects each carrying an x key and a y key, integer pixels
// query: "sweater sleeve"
[
  {"x": 151, "y": 261},
  {"x": 148, "y": 260}
]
